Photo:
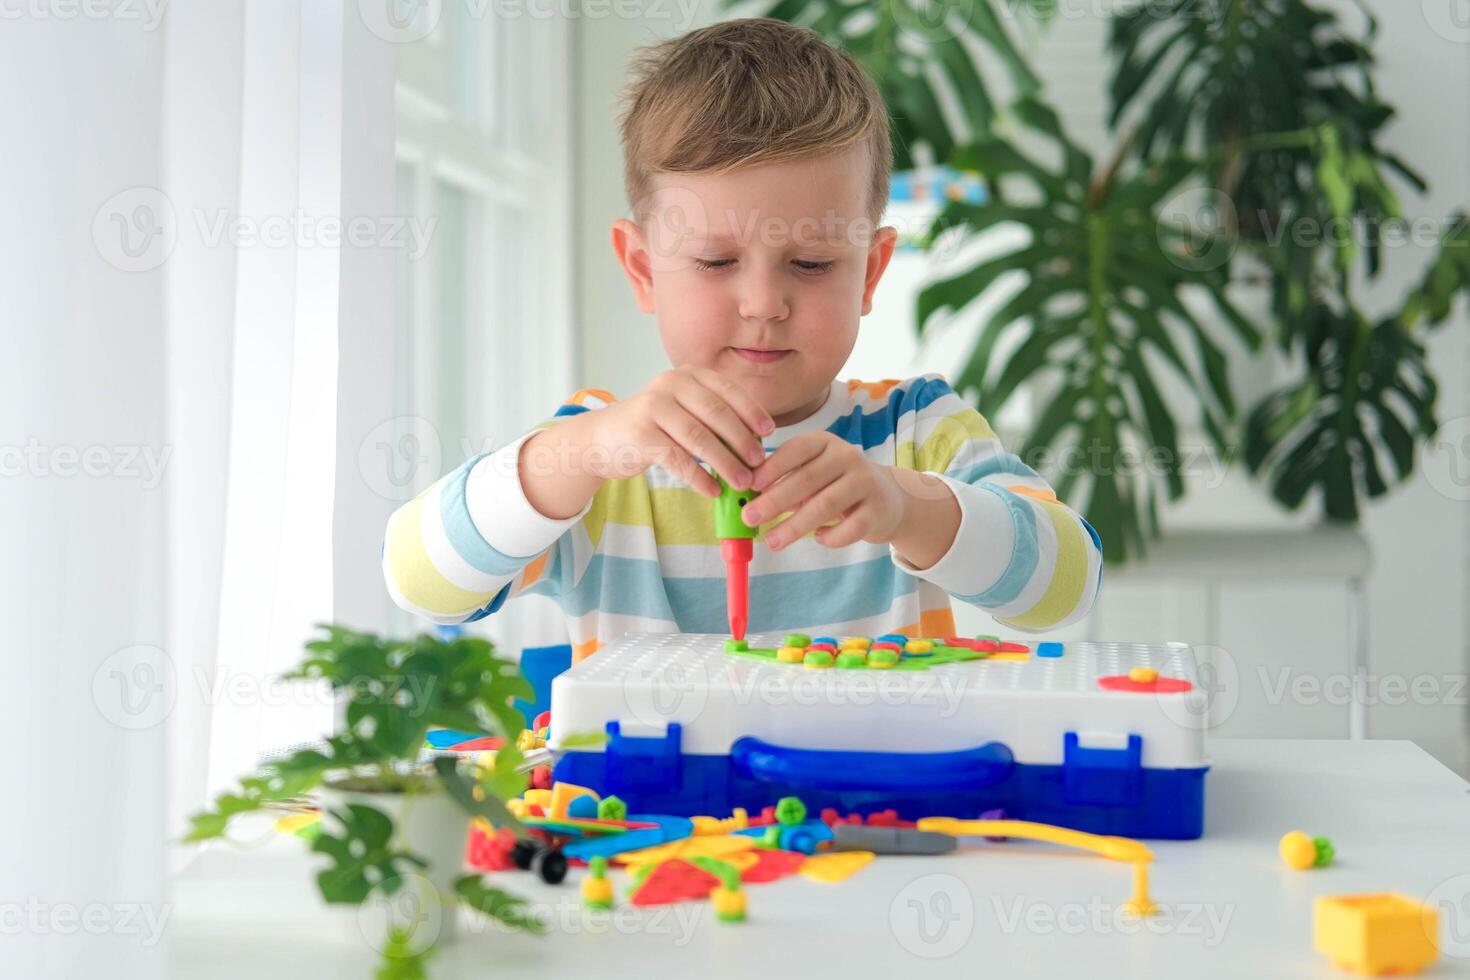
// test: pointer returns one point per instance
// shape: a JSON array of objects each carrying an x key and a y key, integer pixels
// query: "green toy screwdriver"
[{"x": 736, "y": 538}]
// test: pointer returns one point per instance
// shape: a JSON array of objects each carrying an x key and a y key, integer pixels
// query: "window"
[{"x": 483, "y": 316}]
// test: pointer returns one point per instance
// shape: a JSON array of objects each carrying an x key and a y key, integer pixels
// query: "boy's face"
[{"x": 761, "y": 274}]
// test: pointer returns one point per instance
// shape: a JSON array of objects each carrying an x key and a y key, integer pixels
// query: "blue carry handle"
[{"x": 896, "y": 772}]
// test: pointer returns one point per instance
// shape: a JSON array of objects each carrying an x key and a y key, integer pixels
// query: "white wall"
[{"x": 1419, "y": 537}]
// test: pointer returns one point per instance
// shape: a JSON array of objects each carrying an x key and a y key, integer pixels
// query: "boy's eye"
[{"x": 805, "y": 265}]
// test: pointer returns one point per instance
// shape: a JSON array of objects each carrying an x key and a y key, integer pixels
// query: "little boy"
[{"x": 757, "y": 165}]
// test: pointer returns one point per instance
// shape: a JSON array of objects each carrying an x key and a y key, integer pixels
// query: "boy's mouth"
[{"x": 761, "y": 355}]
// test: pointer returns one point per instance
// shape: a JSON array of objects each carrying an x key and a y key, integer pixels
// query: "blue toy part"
[
  {"x": 582, "y": 807},
  {"x": 643, "y": 763},
  {"x": 1102, "y": 791},
  {"x": 969, "y": 769},
  {"x": 668, "y": 829},
  {"x": 1106, "y": 777},
  {"x": 443, "y": 738},
  {"x": 1051, "y": 649},
  {"x": 538, "y": 666},
  {"x": 803, "y": 837}
]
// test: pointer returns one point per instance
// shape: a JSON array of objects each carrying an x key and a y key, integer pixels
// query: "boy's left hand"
[{"x": 821, "y": 477}]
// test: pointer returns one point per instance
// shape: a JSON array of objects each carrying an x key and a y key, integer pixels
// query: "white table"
[{"x": 1400, "y": 822}]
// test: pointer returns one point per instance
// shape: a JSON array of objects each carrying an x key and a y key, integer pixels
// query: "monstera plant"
[{"x": 1237, "y": 125}]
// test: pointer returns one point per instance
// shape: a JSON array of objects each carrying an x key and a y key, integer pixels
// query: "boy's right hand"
[{"x": 681, "y": 414}]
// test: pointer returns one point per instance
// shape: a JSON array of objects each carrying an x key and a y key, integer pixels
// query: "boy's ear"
[
  {"x": 879, "y": 252},
  {"x": 627, "y": 242}
]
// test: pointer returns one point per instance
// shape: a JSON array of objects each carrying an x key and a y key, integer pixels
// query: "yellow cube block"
[
  {"x": 790, "y": 655},
  {"x": 561, "y": 798},
  {"x": 1375, "y": 933},
  {"x": 856, "y": 643}
]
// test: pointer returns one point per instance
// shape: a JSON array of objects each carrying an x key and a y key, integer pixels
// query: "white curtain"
[
  {"x": 257, "y": 128},
  {"x": 84, "y": 464}
]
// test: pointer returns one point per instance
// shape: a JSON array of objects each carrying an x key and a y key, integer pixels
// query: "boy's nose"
[{"x": 762, "y": 298}]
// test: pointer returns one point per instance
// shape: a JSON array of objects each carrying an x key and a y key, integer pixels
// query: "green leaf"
[
  {"x": 362, "y": 854},
  {"x": 401, "y": 961},
  {"x": 1329, "y": 431},
  {"x": 496, "y": 904}
]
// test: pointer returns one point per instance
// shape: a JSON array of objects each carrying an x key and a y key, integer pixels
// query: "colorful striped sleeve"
[
  {"x": 1020, "y": 554},
  {"x": 462, "y": 547}
]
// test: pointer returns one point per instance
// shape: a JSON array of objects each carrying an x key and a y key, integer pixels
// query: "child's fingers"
[
  {"x": 794, "y": 452},
  {"x": 849, "y": 529},
  {"x": 827, "y": 504},
  {"x": 789, "y": 494},
  {"x": 694, "y": 437},
  {"x": 718, "y": 415},
  {"x": 756, "y": 419},
  {"x": 684, "y": 467}
]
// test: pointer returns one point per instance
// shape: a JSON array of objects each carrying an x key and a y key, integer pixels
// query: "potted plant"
[
  {"x": 1247, "y": 153},
  {"x": 393, "y": 828}
]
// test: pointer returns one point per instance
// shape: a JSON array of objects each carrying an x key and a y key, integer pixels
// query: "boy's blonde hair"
[{"x": 747, "y": 92}]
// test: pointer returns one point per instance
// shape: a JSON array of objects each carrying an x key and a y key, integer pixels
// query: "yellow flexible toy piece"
[{"x": 1124, "y": 849}]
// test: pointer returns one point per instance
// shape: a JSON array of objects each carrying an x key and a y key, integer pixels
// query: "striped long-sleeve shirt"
[{"x": 643, "y": 556}]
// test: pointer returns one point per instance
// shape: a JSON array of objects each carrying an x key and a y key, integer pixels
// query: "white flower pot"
[{"x": 429, "y": 825}]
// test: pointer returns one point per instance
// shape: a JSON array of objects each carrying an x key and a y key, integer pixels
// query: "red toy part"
[
  {"x": 541, "y": 777},
  {"x": 1006, "y": 647},
  {"x": 981, "y": 646},
  {"x": 888, "y": 818},
  {"x": 831, "y": 817},
  {"x": 737, "y": 553},
  {"x": 486, "y": 744},
  {"x": 766, "y": 817},
  {"x": 772, "y": 864},
  {"x": 882, "y": 818},
  {"x": 1160, "y": 685},
  {"x": 674, "y": 881},
  {"x": 542, "y": 720},
  {"x": 490, "y": 852}
]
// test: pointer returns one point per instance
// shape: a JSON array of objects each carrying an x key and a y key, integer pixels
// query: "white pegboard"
[{"x": 644, "y": 681}]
